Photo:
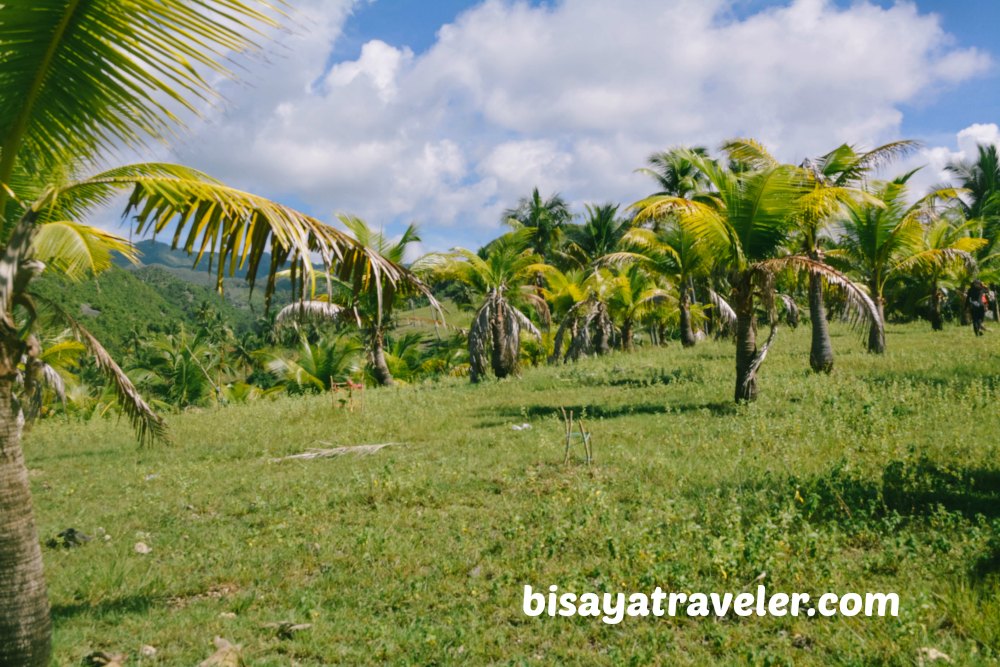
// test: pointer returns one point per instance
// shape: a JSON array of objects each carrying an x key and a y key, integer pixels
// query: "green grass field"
[{"x": 881, "y": 477}]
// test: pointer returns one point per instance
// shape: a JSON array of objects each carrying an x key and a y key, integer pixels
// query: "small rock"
[
  {"x": 142, "y": 548},
  {"x": 927, "y": 655},
  {"x": 476, "y": 571},
  {"x": 227, "y": 615},
  {"x": 226, "y": 654},
  {"x": 148, "y": 651},
  {"x": 105, "y": 659},
  {"x": 521, "y": 427},
  {"x": 150, "y": 477}
]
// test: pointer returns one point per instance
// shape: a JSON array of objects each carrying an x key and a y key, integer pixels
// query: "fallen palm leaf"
[{"x": 360, "y": 450}]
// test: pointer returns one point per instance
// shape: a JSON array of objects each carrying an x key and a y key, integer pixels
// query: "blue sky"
[{"x": 374, "y": 109}]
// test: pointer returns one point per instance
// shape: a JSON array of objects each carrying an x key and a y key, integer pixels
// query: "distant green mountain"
[
  {"x": 160, "y": 294},
  {"x": 155, "y": 253}
]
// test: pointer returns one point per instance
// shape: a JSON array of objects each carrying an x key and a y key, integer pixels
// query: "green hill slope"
[{"x": 149, "y": 299}]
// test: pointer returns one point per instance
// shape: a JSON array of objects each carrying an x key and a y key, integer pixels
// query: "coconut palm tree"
[
  {"x": 843, "y": 167},
  {"x": 544, "y": 218},
  {"x": 373, "y": 312},
  {"x": 745, "y": 223},
  {"x": 81, "y": 80},
  {"x": 502, "y": 279},
  {"x": 634, "y": 294},
  {"x": 980, "y": 182},
  {"x": 951, "y": 239},
  {"x": 578, "y": 300},
  {"x": 376, "y": 313},
  {"x": 600, "y": 234},
  {"x": 181, "y": 369},
  {"x": 319, "y": 366},
  {"x": 677, "y": 254},
  {"x": 882, "y": 237},
  {"x": 676, "y": 174}
]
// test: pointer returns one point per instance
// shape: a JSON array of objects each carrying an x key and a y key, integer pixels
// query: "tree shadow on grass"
[
  {"x": 606, "y": 411},
  {"x": 501, "y": 415},
  {"x": 960, "y": 378},
  {"x": 586, "y": 411},
  {"x": 121, "y": 606},
  {"x": 914, "y": 489},
  {"x": 908, "y": 488}
]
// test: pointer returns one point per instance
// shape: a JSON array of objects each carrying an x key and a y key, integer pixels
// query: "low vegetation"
[{"x": 879, "y": 477}]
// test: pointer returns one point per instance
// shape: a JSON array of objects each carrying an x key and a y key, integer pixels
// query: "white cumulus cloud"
[{"x": 570, "y": 96}]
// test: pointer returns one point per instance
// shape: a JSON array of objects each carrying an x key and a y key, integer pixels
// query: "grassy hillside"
[
  {"x": 881, "y": 477},
  {"x": 148, "y": 299}
]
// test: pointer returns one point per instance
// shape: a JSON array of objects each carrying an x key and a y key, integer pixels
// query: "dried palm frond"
[
  {"x": 859, "y": 304},
  {"x": 307, "y": 310},
  {"x": 725, "y": 312},
  {"x": 479, "y": 336}
]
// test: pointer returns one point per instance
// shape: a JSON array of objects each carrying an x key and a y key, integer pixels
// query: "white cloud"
[
  {"x": 935, "y": 159},
  {"x": 570, "y": 97}
]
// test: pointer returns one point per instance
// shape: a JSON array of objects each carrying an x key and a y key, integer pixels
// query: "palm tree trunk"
[
  {"x": 746, "y": 339},
  {"x": 627, "y": 344},
  {"x": 876, "y": 333},
  {"x": 501, "y": 362},
  {"x": 25, "y": 628},
  {"x": 380, "y": 369},
  {"x": 687, "y": 332},
  {"x": 602, "y": 335},
  {"x": 937, "y": 320},
  {"x": 821, "y": 353}
]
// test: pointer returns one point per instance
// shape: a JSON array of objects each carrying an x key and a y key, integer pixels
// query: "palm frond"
[
  {"x": 236, "y": 228},
  {"x": 84, "y": 77},
  {"x": 78, "y": 250},
  {"x": 749, "y": 152},
  {"x": 725, "y": 312},
  {"x": 859, "y": 303},
  {"x": 148, "y": 425}
]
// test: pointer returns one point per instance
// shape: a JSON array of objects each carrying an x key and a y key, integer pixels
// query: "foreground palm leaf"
[{"x": 84, "y": 77}]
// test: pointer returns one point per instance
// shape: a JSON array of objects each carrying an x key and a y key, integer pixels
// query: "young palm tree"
[
  {"x": 578, "y": 300},
  {"x": 952, "y": 240},
  {"x": 544, "y": 218},
  {"x": 502, "y": 280},
  {"x": 675, "y": 253},
  {"x": 181, "y": 369},
  {"x": 371, "y": 311},
  {"x": 633, "y": 294},
  {"x": 376, "y": 314},
  {"x": 882, "y": 237},
  {"x": 745, "y": 223},
  {"x": 319, "y": 366},
  {"x": 80, "y": 80}
]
